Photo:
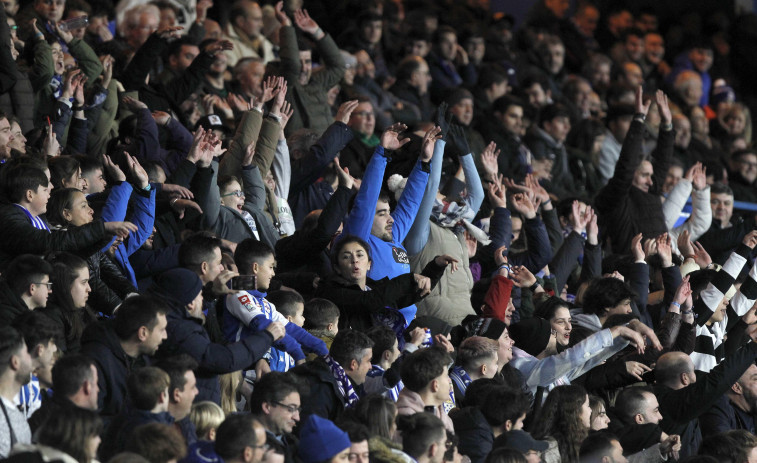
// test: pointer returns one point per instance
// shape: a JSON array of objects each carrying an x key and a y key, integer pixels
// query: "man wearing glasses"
[
  {"x": 26, "y": 287},
  {"x": 275, "y": 403}
]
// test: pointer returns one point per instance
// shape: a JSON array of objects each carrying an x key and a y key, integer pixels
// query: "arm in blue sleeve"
[
  {"x": 144, "y": 218},
  {"x": 671, "y": 280},
  {"x": 306, "y": 339},
  {"x": 418, "y": 235},
  {"x": 117, "y": 202},
  {"x": 407, "y": 206},
  {"x": 360, "y": 220},
  {"x": 115, "y": 206},
  {"x": 288, "y": 344},
  {"x": 473, "y": 183}
]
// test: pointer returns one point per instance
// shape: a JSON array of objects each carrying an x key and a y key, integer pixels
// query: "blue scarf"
[
  {"x": 342, "y": 381},
  {"x": 461, "y": 379},
  {"x": 37, "y": 223},
  {"x": 392, "y": 393}
]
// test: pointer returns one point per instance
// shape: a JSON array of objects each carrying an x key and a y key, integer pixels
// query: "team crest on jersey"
[
  {"x": 246, "y": 302},
  {"x": 400, "y": 255}
]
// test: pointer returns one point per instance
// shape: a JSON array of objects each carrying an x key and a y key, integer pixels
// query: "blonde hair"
[
  {"x": 230, "y": 382},
  {"x": 206, "y": 416}
]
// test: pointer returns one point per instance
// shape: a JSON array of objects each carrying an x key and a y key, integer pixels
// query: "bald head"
[{"x": 675, "y": 370}]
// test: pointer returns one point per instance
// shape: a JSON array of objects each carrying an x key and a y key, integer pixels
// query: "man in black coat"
[
  {"x": 684, "y": 396},
  {"x": 119, "y": 345},
  {"x": 336, "y": 380},
  {"x": 735, "y": 409}
]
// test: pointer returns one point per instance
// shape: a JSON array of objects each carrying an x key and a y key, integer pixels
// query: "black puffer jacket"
[
  {"x": 18, "y": 236},
  {"x": 108, "y": 283}
]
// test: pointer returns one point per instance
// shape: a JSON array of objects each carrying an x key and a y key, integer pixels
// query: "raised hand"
[
  {"x": 663, "y": 108},
  {"x": 701, "y": 257},
  {"x": 664, "y": 249},
  {"x": 646, "y": 332},
  {"x": 592, "y": 229},
  {"x": 137, "y": 171},
  {"x": 343, "y": 174},
  {"x": 237, "y": 103},
  {"x": 390, "y": 138},
  {"x": 286, "y": 114},
  {"x": 636, "y": 249},
  {"x": 78, "y": 88},
  {"x": 281, "y": 16},
  {"x": 133, "y": 104},
  {"x": 249, "y": 154},
  {"x": 114, "y": 171},
  {"x": 683, "y": 292},
  {"x": 345, "y": 111},
  {"x": 202, "y": 9},
  {"x": 218, "y": 46},
  {"x": 457, "y": 136},
  {"x": 489, "y": 158},
  {"x": 500, "y": 258},
  {"x": 429, "y": 141},
  {"x": 181, "y": 205},
  {"x": 305, "y": 22},
  {"x": 522, "y": 204},
  {"x": 522, "y": 277},
  {"x": 271, "y": 87},
  {"x": 281, "y": 94},
  {"x": 51, "y": 145},
  {"x": 169, "y": 32},
  {"x": 443, "y": 118},
  {"x": 67, "y": 36},
  {"x": 496, "y": 195},
  {"x": 641, "y": 107},
  {"x": 685, "y": 247},
  {"x": 750, "y": 240},
  {"x": 699, "y": 182},
  {"x": 195, "y": 154},
  {"x": 161, "y": 117},
  {"x": 219, "y": 284}
]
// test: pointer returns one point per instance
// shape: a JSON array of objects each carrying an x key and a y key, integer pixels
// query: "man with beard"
[
  {"x": 15, "y": 371},
  {"x": 371, "y": 217},
  {"x": 735, "y": 409}
]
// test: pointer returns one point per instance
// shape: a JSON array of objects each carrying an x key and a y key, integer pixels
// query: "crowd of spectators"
[{"x": 385, "y": 231}]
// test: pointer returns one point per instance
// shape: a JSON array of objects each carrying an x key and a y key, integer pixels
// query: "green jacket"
[{"x": 311, "y": 108}]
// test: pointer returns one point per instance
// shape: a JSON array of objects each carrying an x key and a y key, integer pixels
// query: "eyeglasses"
[
  {"x": 14, "y": 28},
  {"x": 264, "y": 447},
  {"x": 363, "y": 114},
  {"x": 237, "y": 193},
  {"x": 48, "y": 284},
  {"x": 290, "y": 408}
]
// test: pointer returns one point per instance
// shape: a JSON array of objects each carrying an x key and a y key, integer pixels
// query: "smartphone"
[{"x": 244, "y": 282}]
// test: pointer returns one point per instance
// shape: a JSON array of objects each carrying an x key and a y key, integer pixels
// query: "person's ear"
[
  {"x": 204, "y": 267},
  {"x": 247, "y": 454},
  {"x": 508, "y": 425},
  {"x": 212, "y": 434},
  {"x": 685, "y": 379},
  {"x": 638, "y": 419},
  {"x": 482, "y": 369},
  {"x": 29, "y": 195},
  {"x": 434, "y": 385},
  {"x": 266, "y": 408},
  {"x": 737, "y": 389},
  {"x": 84, "y": 184},
  {"x": 387, "y": 354},
  {"x": 255, "y": 268},
  {"x": 39, "y": 349},
  {"x": 67, "y": 215},
  {"x": 175, "y": 395},
  {"x": 142, "y": 333},
  {"x": 354, "y": 365}
]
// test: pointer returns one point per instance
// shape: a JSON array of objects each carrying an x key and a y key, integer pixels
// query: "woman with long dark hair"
[
  {"x": 564, "y": 421},
  {"x": 68, "y": 207},
  {"x": 67, "y": 305}
]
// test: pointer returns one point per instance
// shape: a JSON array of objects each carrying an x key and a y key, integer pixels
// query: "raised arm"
[{"x": 360, "y": 220}]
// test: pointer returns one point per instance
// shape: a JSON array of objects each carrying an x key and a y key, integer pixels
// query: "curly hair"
[{"x": 560, "y": 418}]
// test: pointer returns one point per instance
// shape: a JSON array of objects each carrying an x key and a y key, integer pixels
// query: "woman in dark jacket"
[
  {"x": 67, "y": 305},
  {"x": 363, "y": 302},
  {"x": 68, "y": 207}
]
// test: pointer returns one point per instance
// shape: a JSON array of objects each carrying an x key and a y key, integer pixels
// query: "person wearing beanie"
[
  {"x": 322, "y": 442},
  {"x": 181, "y": 290},
  {"x": 535, "y": 351}
]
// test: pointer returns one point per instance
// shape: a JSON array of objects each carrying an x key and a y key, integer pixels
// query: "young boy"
[
  {"x": 321, "y": 320},
  {"x": 26, "y": 287},
  {"x": 291, "y": 305},
  {"x": 25, "y": 232},
  {"x": 249, "y": 311}
]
